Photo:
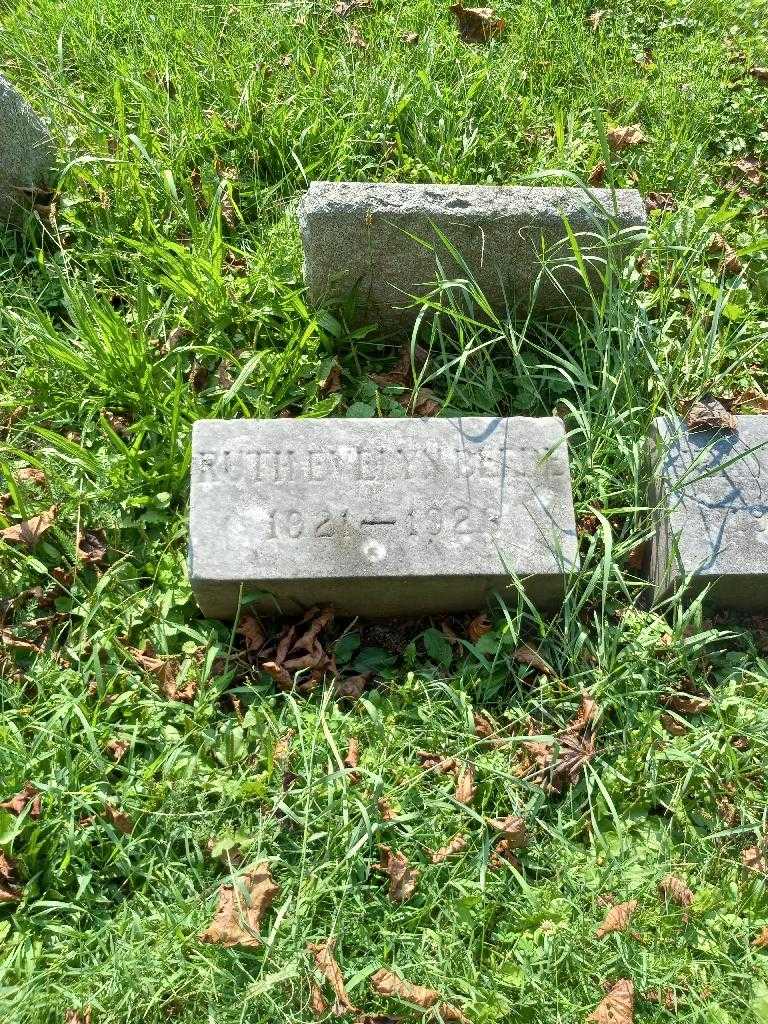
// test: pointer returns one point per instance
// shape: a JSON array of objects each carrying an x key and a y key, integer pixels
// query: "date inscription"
[{"x": 429, "y": 521}]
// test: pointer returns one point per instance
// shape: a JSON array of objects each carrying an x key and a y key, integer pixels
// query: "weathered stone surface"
[
  {"x": 378, "y": 517},
  {"x": 361, "y": 239},
  {"x": 26, "y": 151},
  {"x": 714, "y": 485}
]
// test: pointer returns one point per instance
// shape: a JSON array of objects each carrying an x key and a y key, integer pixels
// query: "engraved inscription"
[
  {"x": 432, "y": 520},
  {"x": 363, "y": 464}
]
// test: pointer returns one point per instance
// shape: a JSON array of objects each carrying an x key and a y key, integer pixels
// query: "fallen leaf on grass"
[
  {"x": 617, "y": 919},
  {"x": 410, "y": 361},
  {"x": 665, "y": 202},
  {"x": 729, "y": 261},
  {"x": 421, "y": 402},
  {"x": 332, "y": 383},
  {"x": 586, "y": 716},
  {"x": 555, "y": 767},
  {"x": 356, "y": 38},
  {"x": 119, "y": 819},
  {"x": 10, "y": 889},
  {"x": 438, "y": 763},
  {"x": 477, "y": 24},
  {"x": 626, "y": 137},
  {"x": 166, "y": 671},
  {"x": 327, "y": 965},
  {"x": 761, "y": 940},
  {"x": 618, "y": 1007},
  {"x": 227, "y": 175},
  {"x": 387, "y": 984},
  {"x": 686, "y": 703},
  {"x": 31, "y": 530},
  {"x": 92, "y": 546},
  {"x": 513, "y": 829},
  {"x": 478, "y": 627},
  {"x": 485, "y": 727},
  {"x": 241, "y": 909},
  {"x": 749, "y": 167},
  {"x": 464, "y": 792},
  {"x": 528, "y": 656},
  {"x": 317, "y": 1001},
  {"x": 761, "y": 74},
  {"x": 78, "y": 1016},
  {"x": 386, "y": 810},
  {"x": 595, "y": 19},
  {"x": 676, "y": 890},
  {"x": 409, "y": 38},
  {"x": 754, "y": 859},
  {"x": 345, "y": 7},
  {"x": 673, "y": 725},
  {"x": 402, "y": 877},
  {"x": 457, "y": 845},
  {"x": 250, "y": 629},
  {"x": 117, "y": 749},
  {"x": 29, "y": 795},
  {"x": 298, "y": 649},
  {"x": 29, "y": 474},
  {"x": 352, "y": 758},
  {"x": 7, "y": 639},
  {"x": 597, "y": 174},
  {"x": 709, "y": 414},
  {"x": 666, "y": 997},
  {"x": 351, "y": 688}
]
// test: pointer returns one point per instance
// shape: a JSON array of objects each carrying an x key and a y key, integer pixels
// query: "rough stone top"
[
  {"x": 359, "y": 498},
  {"x": 472, "y": 202},
  {"x": 715, "y": 485},
  {"x": 26, "y": 149}
]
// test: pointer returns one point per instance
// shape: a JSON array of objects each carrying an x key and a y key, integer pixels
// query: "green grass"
[{"x": 169, "y": 288}]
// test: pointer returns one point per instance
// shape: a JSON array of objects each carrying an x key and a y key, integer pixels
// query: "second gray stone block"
[{"x": 381, "y": 243}]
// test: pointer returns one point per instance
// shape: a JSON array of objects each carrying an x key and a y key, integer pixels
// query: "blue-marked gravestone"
[
  {"x": 711, "y": 493},
  {"x": 378, "y": 517}
]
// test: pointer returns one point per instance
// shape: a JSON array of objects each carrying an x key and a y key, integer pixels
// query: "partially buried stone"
[
  {"x": 387, "y": 245},
  {"x": 378, "y": 517},
  {"x": 710, "y": 495},
  {"x": 26, "y": 153}
]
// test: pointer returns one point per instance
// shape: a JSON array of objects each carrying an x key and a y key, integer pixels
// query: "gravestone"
[
  {"x": 381, "y": 243},
  {"x": 710, "y": 493},
  {"x": 26, "y": 152},
  {"x": 378, "y": 517}
]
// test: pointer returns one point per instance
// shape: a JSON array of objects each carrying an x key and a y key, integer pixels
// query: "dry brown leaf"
[
  {"x": 626, "y": 137},
  {"x": 92, "y": 546},
  {"x": 478, "y": 627},
  {"x": 486, "y": 728},
  {"x": 595, "y": 19},
  {"x": 709, "y": 414},
  {"x": 351, "y": 688},
  {"x": 686, "y": 703},
  {"x": 663, "y": 201},
  {"x": 343, "y": 8},
  {"x": 673, "y": 725},
  {"x": 386, "y": 810},
  {"x": 728, "y": 812},
  {"x": 477, "y": 24},
  {"x": 587, "y": 715},
  {"x": 241, "y": 909},
  {"x": 421, "y": 402},
  {"x": 327, "y": 965},
  {"x": 503, "y": 854},
  {"x": 409, "y": 38},
  {"x": 617, "y": 918},
  {"x": 29, "y": 474},
  {"x": 166, "y": 671},
  {"x": 10, "y": 889},
  {"x": 528, "y": 656},
  {"x": 356, "y": 38},
  {"x": 618, "y": 1007},
  {"x": 7, "y": 639},
  {"x": 754, "y": 859},
  {"x": 332, "y": 383},
  {"x": 457, "y": 845},
  {"x": 729, "y": 259},
  {"x": 29, "y": 795},
  {"x": 749, "y": 167},
  {"x": 283, "y": 746},
  {"x": 410, "y": 361},
  {"x": 438, "y": 763},
  {"x": 117, "y": 817},
  {"x": 761, "y": 940},
  {"x": 298, "y": 649},
  {"x": 31, "y": 530},
  {"x": 352, "y": 758},
  {"x": 251, "y": 630},
  {"x": 117, "y": 749},
  {"x": 666, "y": 997},
  {"x": 402, "y": 877},
  {"x": 597, "y": 174},
  {"x": 317, "y": 1001},
  {"x": 78, "y": 1016},
  {"x": 676, "y": 890},
  {"x": 464, "y": 792},
  {"x": 761, "y": 74},
  {"x": 389, "y": 985},
  {"x": 513, "y": 829}
]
